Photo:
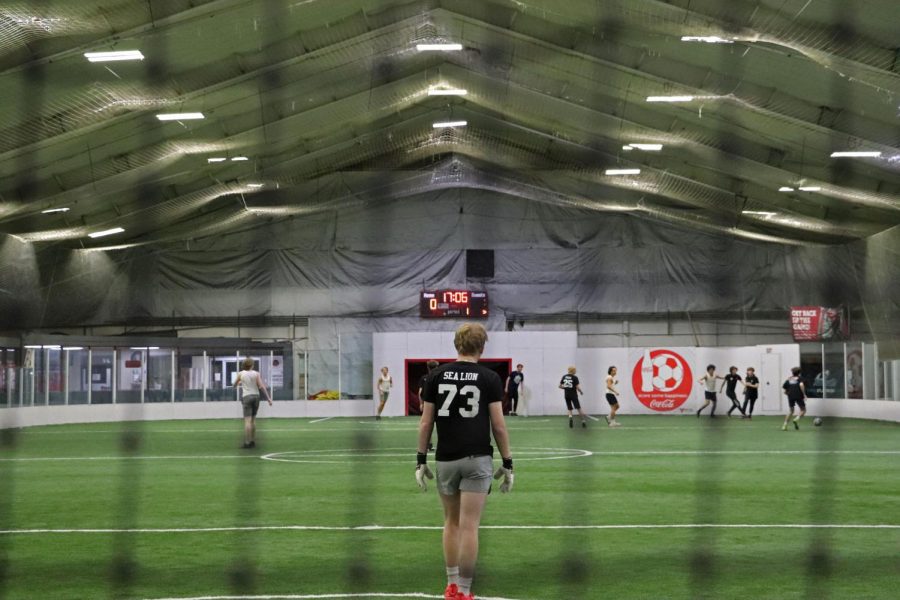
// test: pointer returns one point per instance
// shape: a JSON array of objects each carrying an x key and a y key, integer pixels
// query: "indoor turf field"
[{"x": 157, "y": 510}]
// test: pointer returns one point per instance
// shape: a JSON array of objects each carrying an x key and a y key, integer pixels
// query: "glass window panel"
[
  {"x": 810, "y": 369},
  {"x": 159, "y": 375},
  {"x": 131, "y": 371},
  {"x": 853, "y": 370},
  {"x": 78, "y": 375},
  {"x": 831, "y": 378},
  {"x": 223, "y": 369},
  {"x": 54, "y": 377},
  {"x": 189, "y": 375},
  {"x": 9, "y": 391},
  {"x": 101, "y": 375}
]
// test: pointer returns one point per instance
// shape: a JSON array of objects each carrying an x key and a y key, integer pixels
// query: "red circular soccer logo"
[{"x": 662, "y": 380}]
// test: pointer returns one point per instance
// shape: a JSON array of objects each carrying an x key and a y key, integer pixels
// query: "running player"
[
  {"x": 709, "y": 380},
  {"x": 751, "y": 391},
  {"x": 251, "y": 383},
  {"x": 465, "y": 400},
  {"x": 730, "y": 385},
  {"x": 569, "y": 383},
  {"x": 795, "y": 390},
  {"x": 612, "y": 396},
  {"x": 513, "y": 385},
  {"x": 431, "y": 365},
  {"x": 383, "y": 384}
]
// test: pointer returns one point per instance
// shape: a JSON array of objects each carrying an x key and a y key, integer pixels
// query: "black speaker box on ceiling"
[{"x": 479, "y": 263}]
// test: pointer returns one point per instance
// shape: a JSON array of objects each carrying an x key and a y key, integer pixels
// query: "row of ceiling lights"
[{"x": 130, "y": 55}]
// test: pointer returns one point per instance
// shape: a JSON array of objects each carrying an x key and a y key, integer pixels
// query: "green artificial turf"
[{"x": 726, "y": 472}]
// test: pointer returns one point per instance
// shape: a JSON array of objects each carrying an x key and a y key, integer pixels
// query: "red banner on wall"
[{"x": 818, "y": 323}]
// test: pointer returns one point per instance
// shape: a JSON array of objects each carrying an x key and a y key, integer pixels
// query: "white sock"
[
  {"x": 452, "y": 575},
  {"x": 465, "y": 585}
]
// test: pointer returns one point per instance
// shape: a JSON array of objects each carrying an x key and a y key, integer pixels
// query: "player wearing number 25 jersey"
[{"x": 463, "y": 399}]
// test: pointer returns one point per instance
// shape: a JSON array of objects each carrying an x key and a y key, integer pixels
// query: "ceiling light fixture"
[
  {"x": 438, "y": 47},
  {"x": 216, "y": 159},
  {"x": 811, "y": 188},
  {"x": 709, "y": 39},
  {"x": 623, "y": 172},
  {"x": 106, "y": 232},
  {"x": 73, "y": 347},
  {"x": 644, "y": 147},
  {"x": 442, "y": 124},
  {"x": 447, "y": 92},
  {"x": 761, "y": 213},
  {"x": 785, "y": 189},
  {"x": 55, "y": 210},
  {"x": 255, "y": 185},
  {"x": 239, "y": 159},
  {"x": 856, "y": 154},
  {"x": 119, "y": 55},
  {"x": 670, "y": 98},
  {"x": 180, "y": 116}
]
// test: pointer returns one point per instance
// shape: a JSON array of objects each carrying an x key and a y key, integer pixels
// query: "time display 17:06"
[{"x": 453, "y": 303}]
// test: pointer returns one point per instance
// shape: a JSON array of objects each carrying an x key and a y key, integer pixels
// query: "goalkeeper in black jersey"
[{"x": 463, "y": 399}]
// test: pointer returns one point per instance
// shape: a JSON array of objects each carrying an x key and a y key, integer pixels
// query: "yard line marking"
[
  {"x": 320, "y": 420},
  {"x": 323, "y": 454},
  {"x": 326, "y": 596},
  {"x": 592, "y": 417},
  {"x": 346, "y": 528}
]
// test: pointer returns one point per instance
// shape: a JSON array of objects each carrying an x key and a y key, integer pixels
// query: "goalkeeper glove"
[
  {"x": 423, "y": 473},
  {"x": 506, "y": 472}
]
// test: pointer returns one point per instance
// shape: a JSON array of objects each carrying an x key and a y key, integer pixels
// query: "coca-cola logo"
[{"x": 662, "y": 380}]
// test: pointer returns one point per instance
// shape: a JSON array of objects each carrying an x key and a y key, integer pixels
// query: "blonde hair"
[
  {"x": 470, "y": 339},
  {"x": 571, "y": 369},
  {"x": 247, "y": 365}
]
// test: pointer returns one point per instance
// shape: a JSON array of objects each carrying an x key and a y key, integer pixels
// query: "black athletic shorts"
[
  {"x": 801, "y": 402},
  {"x": 611, "y": 398},
  {"x": 573, "y": 403},
  {"x": 711, "y": 396}
]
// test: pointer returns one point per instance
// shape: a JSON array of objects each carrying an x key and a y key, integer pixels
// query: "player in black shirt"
[
  {"x": 513, "y": 386},
  {"x": 730, "y": 384},
  {"x": 795, "y": 390},
  {"x": 569, "y": 383},
  {"x": 751, "y": 391},
  {"x": 431, "y": 365},
  {"x": 464, "y": 399}
]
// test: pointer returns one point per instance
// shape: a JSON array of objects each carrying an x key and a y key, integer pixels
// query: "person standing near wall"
[
  {"x": 751, "y": 391},
  {"x": 571, "y": 389},
  {"x": 612, "y": 396},
  {"x": 795, "y": 390},
  {"x": 513, "y": 386},
  {"x": 383, "y": 384},
  {"x": 709, "y": 380},
  {"x": 465, "y": 400},
  {"x": 730, "y": 385},
  {"x": 251, "y": 383}
]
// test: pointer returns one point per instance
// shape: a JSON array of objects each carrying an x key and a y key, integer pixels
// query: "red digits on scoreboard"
[
  {"x": 432, "y": 304},
  {"x": 456, "y": 297}
]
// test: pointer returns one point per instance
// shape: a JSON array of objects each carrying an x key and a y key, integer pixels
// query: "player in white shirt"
[
  {"x": 612, "y": 396},
  {"x": 251, "y": 383}
]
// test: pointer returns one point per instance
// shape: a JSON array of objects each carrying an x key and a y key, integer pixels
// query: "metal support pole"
[
  {"x": 172, "y": 387},
  {"x": 64, "y": 356},
  {"x": 90, "y": 375},
  {"x": 115, "y": 373},
  {"x": 204, "y": 374},
  {"x": 46, "y": 377}
]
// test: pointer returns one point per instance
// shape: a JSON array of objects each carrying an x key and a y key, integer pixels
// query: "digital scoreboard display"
[{"x": 453, "y": 303}]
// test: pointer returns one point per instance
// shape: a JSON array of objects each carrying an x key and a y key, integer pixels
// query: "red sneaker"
[
  {"x": 451, "y": 592},
  {"x": 462, "y": 596}
]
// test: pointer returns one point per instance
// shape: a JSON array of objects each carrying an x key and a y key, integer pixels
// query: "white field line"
[
  {"x": 326, "y": 596},
  {"x": 320, "y": 420},
  {"x": 385, "y": 528},
  {"x": 320, "y": 457}
]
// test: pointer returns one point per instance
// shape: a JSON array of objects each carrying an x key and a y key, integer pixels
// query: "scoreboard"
[{"x": 453, "y": 304}]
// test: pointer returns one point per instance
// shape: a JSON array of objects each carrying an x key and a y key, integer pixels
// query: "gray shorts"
[
  {"x": 470, "y": 474},
  {"x": 251, "y": 405},
  {"x": 383, "y": 396}
]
